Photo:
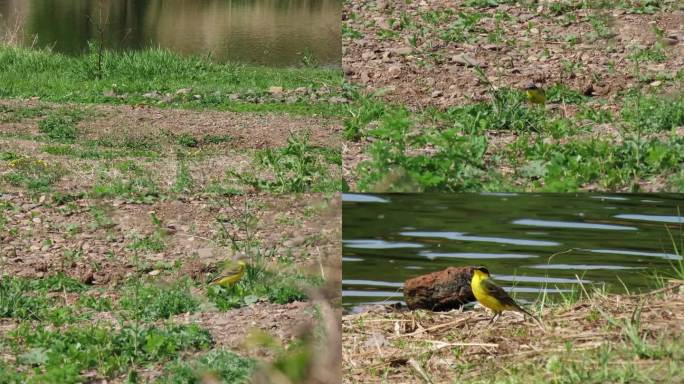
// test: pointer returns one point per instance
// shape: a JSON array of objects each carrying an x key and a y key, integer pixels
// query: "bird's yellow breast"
[
  {"x": 536, "y": 96},
  {"x": 481, "y": 294},
  {"x": 233, "y": 276}
]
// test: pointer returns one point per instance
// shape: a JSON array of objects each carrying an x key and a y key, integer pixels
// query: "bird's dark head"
[
  {"x": 483, "y": 270},
  {"x": 531, "y": 86}
]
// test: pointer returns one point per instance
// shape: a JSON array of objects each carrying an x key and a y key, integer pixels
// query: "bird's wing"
[
  {"x": 229, "y": 269},
  {"x": 498, "y": 292},
  {"x": 232, "y": 269}
]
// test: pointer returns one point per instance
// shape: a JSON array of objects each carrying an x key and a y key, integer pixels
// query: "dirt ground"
[
  {"x": 246, "y": 130},
  {"x": 514, "y": 44},
  {"x": 37, "y": 234}
]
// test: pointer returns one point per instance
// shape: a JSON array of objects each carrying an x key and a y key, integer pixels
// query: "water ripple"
[
  {"x": 580, "y": 266},
  {"x": 351, "y": 259},
  {"x": 538, "y": 279},
  {"x": 475, "y": 255},
  {"x": 662, "y": 255},
  {"x": 464, "y": 237},
  {"x": 379, "y": 244},
  {"x": 574, "y": 225},
  {"x": 358, "y": 198},
  {"x": 354, "y": 293},
  {"x": 373, "y": 283},
  {"x": 655, "y": 218}
]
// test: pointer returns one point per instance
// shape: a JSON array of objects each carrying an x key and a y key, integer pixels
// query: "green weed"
[
  {"x": 150, "y": 302},
  {"x": 297, "y": 167},
  {"x": 184, "y": 182},
  {"x": 656, "y": 53},
  {"x": 653, "y": 113},
  {"x": 10, "y": 114},
  {"x": 60, "y": 125},
  {"x": 59, "y": 356},
  {"x": 223, "y": 365},
  {"x": 33, "y": 174}
]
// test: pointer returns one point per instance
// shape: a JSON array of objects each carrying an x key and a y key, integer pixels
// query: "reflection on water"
[
  {"x": 269, "y": 32},
  {"x": 530, "y": 242}
]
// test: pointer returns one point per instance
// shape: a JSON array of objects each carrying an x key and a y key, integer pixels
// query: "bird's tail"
[{"x": 535, "y": 318}]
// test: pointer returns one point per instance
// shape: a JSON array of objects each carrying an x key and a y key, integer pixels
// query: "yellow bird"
[
  {"x": 535, "y": 95},
  {"x": 494, "y": 297},
  {"x": 232, "y": 273}
]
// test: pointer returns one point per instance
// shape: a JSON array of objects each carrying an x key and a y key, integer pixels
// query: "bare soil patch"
[
  {"x": 246, "y": 130},
  {"x": 421, "y": 53},
  {"x": 93, "y": 240}
]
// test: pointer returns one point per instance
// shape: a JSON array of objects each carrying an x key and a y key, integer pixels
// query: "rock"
[
  {"x": 205, "y": 253},
  {"x": 375, "y": 341},
  {"x": 467, "y": 60},
  {"x": 365, "y": 77},
  {"x": 233, "y": 97},
  {"x": 87, "y": 278},
  {"x": 367, "y": 55},
  {"x": 671, "y": 40},
  {"x": 184, "y": 91},
  {"x": 337, "y": 100},
  {"x": 152, "y": 95},
  {"x": 394, "y": 71},
  {"x": 347, "y": 69},
  {"x": 402, "y": 50},
  {"x": 275, "y": 91},
  {"x": 294, "y": 242},
  {"x": 440, "y": 291},
  {"x": 436, "y": 94}
]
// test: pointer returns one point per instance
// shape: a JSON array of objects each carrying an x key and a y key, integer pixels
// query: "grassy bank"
[
  {"x": 162, "y": 78},
  {"x": 591, "y": 337}
]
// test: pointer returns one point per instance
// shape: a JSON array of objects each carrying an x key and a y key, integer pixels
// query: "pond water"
[
  {"x": 529, "y": 242},
  {"x": 265, "y": 32}
]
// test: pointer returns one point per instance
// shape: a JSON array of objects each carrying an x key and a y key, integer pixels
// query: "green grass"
[
  {"x": 10, "y": 114},
  {"x": 134, "y": 183},
  {"x": 127, "y": 76},
  {"x": 141, "y": 337},
  {"x": 62, "y": 356},
  {"x": 223, "y": 365},
  {"x": 26, "y": 299},
  {"x": 32, "y": 174},
  {"x": 60, "y": 125},
  {"x": 547, "y": 155},
  {"x": 297, "y": 167},
  {"x": 149, "y": 302}
]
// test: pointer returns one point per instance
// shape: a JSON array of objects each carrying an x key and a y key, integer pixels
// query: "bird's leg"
[{"x": 493, "y": 319}]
